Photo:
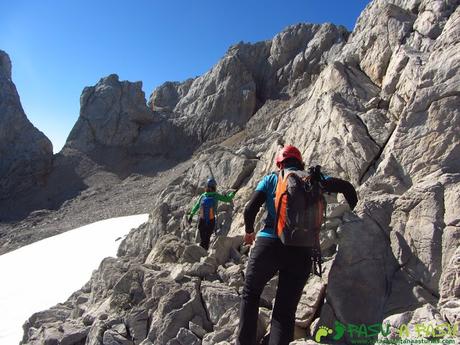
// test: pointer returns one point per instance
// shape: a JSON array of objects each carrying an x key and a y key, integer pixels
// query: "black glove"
[{"x": 189, "y": 219}]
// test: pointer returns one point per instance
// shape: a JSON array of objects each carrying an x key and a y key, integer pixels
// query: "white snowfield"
[{"x": 47, "y": 272}]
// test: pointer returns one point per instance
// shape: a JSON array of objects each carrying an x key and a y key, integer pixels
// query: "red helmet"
[{"x": 286, "y": 152}]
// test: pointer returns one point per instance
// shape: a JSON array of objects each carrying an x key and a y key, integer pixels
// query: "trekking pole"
[{"x": 210, "y": 170}]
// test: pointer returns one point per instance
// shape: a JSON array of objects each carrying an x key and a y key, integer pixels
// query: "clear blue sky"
[{"x": 59, "y": 47}]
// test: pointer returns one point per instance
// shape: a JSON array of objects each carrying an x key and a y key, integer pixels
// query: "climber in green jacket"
[{"x": 207, "y": 204}]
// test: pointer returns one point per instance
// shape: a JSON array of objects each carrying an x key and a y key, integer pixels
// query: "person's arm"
[
  {"x": 251, "y": 210},
  {"x": 336, "y": 185},
  {"x": 225, "y": 198},
  {"x": 195, "y": 207}
]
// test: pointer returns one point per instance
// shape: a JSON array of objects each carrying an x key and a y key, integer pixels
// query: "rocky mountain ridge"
[{"x": 379, "y": 107}]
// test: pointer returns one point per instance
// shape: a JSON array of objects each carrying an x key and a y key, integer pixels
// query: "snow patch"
[{"x": 47, "y": 272}]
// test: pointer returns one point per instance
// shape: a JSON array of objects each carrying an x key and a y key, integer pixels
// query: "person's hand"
[
  {"x": 249, "y": 238},
  {"x": 189, "y": 219}
]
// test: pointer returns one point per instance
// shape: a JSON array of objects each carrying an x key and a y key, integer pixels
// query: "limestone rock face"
[
  {"x": 117, "y": 130},
  {"x": 26, "y": 153},
  {"x": 168, "y": 95},
  {"x": 299, "y": 53},
  {"x": 380, "y": 30},
  {"x": 111, "y": 114},
  {"x": 222, "y": 101},
  {"x": 230, "y": 170},
  {"x": 450, "y": 288}
]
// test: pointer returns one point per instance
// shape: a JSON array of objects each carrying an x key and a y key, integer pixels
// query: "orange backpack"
[{"x": 300, "y": 208}]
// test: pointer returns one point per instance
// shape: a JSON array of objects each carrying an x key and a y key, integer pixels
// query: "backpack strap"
[
  {"x": 279, "y": 198},
  {"x": 317, "y": 257},
  {"x": 282, "y": 181}
]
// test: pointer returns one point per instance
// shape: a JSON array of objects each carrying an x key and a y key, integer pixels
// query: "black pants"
[
  {"x": 206, "y": 229},
  {"x": 268, "y": 257}
]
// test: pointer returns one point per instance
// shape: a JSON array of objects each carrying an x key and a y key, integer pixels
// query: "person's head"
[
  {"x": 289, "y": 157},
  {"x": 211, "y": 185}
]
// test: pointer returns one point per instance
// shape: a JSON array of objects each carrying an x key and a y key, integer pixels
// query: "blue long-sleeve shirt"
[{"x": 265, "y": 194}]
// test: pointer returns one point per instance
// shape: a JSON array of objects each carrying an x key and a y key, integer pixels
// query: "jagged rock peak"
[
  {"x": 285, "y": 64},
  {"x": 5, "y": 64},
  {"x": 220, "y": 102},
  {"x": 111, "y": 114},
  {"x": 25, "y": 152}
]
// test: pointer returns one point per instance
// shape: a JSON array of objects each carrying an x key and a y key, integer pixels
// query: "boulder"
[
  {"x": 67, "y": 333},
  {"x": 268, "y": 295},
  {"x": 232, "y": 276},
  {"x": 128, "y": 290},
  {"x": 414, "y": 324},
  {"x": 112, "y": 337},
  {"x": 218, "y": 298},
  {"x": 360, "y": 276},
  {"x": 312, "y": 298},
  {"x": 178, "y": 304},
  {"x": 449, "y": 302},
  {"x": 196, "y": 329},
  {"x": 187, "y": 337},
  {"x": 139, "y": 242},
  {"x": 96, "y": 333},
  {"x": 136, "y": 325},
  {"x": 203, "y": 269},
  {"x": 222, "y": 247},
  {"x": 193, "y": 253},
  {"x": 225, "y": 330},
  {"x": 168, "y": 249}
]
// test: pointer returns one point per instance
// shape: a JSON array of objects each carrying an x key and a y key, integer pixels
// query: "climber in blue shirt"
[{"x": 270, "y": 256}]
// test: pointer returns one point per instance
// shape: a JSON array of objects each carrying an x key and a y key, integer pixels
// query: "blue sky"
[{"x": 59, "y": 47}]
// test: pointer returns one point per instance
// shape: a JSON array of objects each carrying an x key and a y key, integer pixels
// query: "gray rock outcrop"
[
  {"x": 26, "y": 153},
  {"x": 111, "y": 115},
  {"x": 222, "y": 101},
  {"x": 116, "y": 128}
]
